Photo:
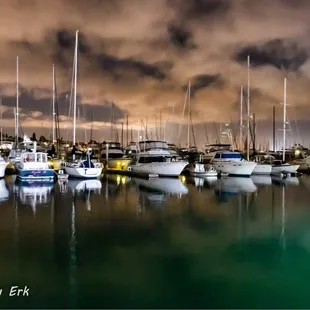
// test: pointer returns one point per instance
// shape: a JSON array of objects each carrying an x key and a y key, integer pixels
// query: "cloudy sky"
[{"x": 140, "y": 55}]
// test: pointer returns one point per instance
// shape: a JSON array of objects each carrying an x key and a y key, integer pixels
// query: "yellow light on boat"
[
  {"x": 123, "y": 180},
  {"x": 118, "y": 163},
  {"x": 118, "y": 180},
  {"x": 297, "y": 152},
  {"x": 183, "y": 179}
]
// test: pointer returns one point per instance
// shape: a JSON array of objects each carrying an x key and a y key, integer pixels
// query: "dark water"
[{"x": 121, "y": 243}]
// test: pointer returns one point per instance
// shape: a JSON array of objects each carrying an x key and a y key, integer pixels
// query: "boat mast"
[
  {"x": 54, "y": 112},
  {"x": 284, "y": 119},
  {"x": 189, "y": 114},
  {"x": 17, "y": 100},
  {"x": 241, "y": 118},
  {"x": 274, "y": 127},
  {"x": 75, "y": 85},
  {"x": 127, "y": 142},
  {"x": 248, "y": 110}
]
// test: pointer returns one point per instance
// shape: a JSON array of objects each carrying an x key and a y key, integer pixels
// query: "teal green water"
[{"x": 121, "y": 243}]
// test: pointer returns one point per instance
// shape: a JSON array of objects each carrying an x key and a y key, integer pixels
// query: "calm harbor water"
[{"x": 164, "y": 243}]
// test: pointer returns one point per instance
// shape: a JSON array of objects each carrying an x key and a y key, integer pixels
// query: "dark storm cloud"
[
  {"x": 278, "y": 53},
  {"x": 110, "y": 64},
  {"x": 203, "y": 81},
  {"x": 116, "y": 67},
  {"x": 140, "y": 53},
  {"x": 194, "y": 9},
  {"x": 180, "y": 37},
  {"x": 28, "y": 103}
]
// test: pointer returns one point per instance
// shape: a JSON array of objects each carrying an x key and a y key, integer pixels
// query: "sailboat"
[
  {"x": 278, "y": 166},
  {"x": 85, "y": 169}
]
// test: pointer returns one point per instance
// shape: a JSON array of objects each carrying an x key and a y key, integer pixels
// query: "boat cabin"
[
  {"x": 114, "y": 150},
  {"x": 30, "y": 157},
  {"x": 152, "y": 145}
]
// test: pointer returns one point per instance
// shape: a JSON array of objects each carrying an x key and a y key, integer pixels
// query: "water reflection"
[
  {"x": 261, "y": 179},
  {"x": 285, "y": 181},
  {"x": 85, "y": 188},
  {"x": 4, "y": 193},
  {"x": 185, "y": 241},
  {"x": 156, "y": 191},
  {"x": 34, "y": 194},
  {"x": 236, "y": 185},
  {"x": 163, "y": 185}
]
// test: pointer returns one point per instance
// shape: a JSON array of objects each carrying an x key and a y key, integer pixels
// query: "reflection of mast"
[
  {"x": 272, "y": 208},
  {"x": 240, "y": 216},
  {"x": 283, "y": 241},
  {"x": 88, "y": 202},
  {"x": 16, "y": 225},
  {"x": 72, "y": 279}
]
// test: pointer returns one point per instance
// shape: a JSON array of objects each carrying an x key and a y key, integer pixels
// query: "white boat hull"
[
  {"x": 84, "y": 173},
  {"x": 262, "y": 169},
  {"x": 172, "y": 169},
  {"x": 287, "y": 168},
  {"x": 3, "y": 166},
  {"x": 242, "y": 168}
]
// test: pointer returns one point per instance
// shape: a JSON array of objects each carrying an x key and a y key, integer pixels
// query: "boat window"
[
  {"x": 44, "y": 158},
  {"x": 152, "y": 159},
  {"x": 153, "y": 145},
  {"x": 217, "y": 155},
  {"x": 231, "y": 155},
  {"x": 38, "y": 157},
  {"x": 29, "y": 158},
  {"x": 112, "y": 155}
]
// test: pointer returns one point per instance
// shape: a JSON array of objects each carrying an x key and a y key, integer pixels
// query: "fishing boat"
[
  {"x": 3, "y": 165},
  {"x": 263, "y": 167},
  {"x": 232, "y": 163},
  {"x": 154, "y": 158},
  {"x": 33, "y": 166},
  {"x": 86, "y": 169}
]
